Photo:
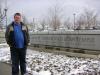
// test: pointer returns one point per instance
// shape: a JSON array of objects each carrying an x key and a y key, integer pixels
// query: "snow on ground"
[{"x": 41, "y": 63}]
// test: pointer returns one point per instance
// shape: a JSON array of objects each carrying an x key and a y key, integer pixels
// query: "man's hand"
[{"x": 29, "y": 44}]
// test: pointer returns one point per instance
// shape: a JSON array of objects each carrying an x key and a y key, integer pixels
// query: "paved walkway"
[{"x": 5, "y": 69}]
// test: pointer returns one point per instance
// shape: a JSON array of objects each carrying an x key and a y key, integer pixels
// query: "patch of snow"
[
  {"x": 44, "y": 73},
  {"x": 41, "y": 63}
]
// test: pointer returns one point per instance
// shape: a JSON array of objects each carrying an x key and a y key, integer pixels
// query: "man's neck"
[{"x": 17, "y": 22}]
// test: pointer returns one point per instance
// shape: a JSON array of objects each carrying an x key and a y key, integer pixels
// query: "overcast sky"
[{"x": 39, "y": 8}]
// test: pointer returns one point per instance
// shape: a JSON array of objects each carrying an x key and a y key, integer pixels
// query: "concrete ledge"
[{"x": 67, "y": 53}]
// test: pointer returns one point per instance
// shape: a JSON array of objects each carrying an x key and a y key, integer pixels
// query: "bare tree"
[
  {"x": 91, "y": 18},
  {"x": 55, "y": 16},
  {"x": 43, "y": 24},
  {"x": 88, "y": 19},
  {"x": 33, "y": 24},
  {"x": 24, "y": 19},
  {"x": 67, "y": 24},
  {"x": 81, "y": 22}
]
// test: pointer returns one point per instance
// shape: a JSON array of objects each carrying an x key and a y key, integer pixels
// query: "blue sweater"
[{"x": 18, "y": 35}]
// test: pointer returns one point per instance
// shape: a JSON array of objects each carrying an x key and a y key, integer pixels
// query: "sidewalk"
[{"x": 5, "y": 69}]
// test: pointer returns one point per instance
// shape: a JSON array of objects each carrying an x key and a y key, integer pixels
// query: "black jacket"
[{"x": 9, "y": 34}]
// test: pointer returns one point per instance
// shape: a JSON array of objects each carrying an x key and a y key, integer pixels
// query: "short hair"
[{"x": 17, "y": 14}]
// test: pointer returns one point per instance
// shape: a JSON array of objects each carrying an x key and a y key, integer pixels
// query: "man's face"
[{"x": 17, "y": 18}]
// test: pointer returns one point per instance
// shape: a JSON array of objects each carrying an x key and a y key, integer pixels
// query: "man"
[{"x": 17, "y": 38}]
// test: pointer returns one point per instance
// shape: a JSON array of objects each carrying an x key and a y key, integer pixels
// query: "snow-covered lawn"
[{"x": 41, "y": 63}]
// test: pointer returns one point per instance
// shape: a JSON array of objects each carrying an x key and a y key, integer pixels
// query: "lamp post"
[
  {"x": 74, "y": 19},
  {"x": 6, "y": 15},
  {"x": 6, "y": 9},
  {"x": 33, "y": 24}
]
